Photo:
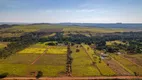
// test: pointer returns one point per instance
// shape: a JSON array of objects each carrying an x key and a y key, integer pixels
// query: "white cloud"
[{"x": 72, "y": 10}]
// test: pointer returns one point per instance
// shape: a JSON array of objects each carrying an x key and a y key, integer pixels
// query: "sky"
[{"x": 79, "y": 11}]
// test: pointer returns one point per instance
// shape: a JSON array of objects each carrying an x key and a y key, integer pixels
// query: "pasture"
[
  {"x": 107, "y": 71},
  {"x": 93, "y": 30},
  {"x": 114, "y": 42},
  {"x": 3, "y": 44},
  {"x": 52, "y": 63},
  {"x": 136, "y": 58},
  {"x": 82, "y": 65},
  {"x": 131, "y": 66}
]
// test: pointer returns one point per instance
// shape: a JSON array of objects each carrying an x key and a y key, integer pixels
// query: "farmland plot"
[
  {"x": 133, "y": 67},
  {"x": 19, "y": 59},
  {"x": 103, "y": 68},
  {"x": 32, "y": 51},
  {"x": 117, "y": 68},
  {"x": 136, "y": 58},
  {"x": 82, "y": 65},
  {"x": 3, "y": 44},
  {"x": 56, "y": 50},
  {"x": 52, "y": 64}
]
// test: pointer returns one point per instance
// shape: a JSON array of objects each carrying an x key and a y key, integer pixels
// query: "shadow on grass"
[
  {"x": 39, "y": 74},
  {"x": 3, "y": 75}
]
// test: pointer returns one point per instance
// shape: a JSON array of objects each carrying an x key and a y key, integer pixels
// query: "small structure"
[
  {"x": 103, "y": 56},
  {"x": 118, "y": 53}
]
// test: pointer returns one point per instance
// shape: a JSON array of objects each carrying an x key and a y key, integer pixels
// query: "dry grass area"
[{"x": 117, "y": 68}]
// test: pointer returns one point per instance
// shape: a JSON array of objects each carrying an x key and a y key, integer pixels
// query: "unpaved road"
[
  {"x": 72, "y": 78},
  {"x": 39, "y": 56}
]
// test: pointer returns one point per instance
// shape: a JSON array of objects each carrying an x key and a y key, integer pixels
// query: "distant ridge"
[
  {"x": 101, "y": 25},
  {"x": 106, "y": 25}
]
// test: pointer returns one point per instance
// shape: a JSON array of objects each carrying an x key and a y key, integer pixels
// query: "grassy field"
[
  {"x": 24, "y": 70},
  {"x": 3, "y": 44},
  {"x": 52, "y": 64},
  {"x": 39, "y": 48},
  {"x": 82, "y": 65},
  {"x": 57, "y": 50},
  {"x": 52, "y": 59},
  {"x": 104, "y": 69},
  {"x": 17, "y": 31},
  {"x": 32, "y": 51},
  {"x": 94, "y": 30},
  {"x": 20, "y": 59},
  {"x": 112, "y": 42},
  {"x": 136, "y": 58},
  {"x": 118, "y": 69},
  {"x": 128, "y": 64},
  {"x": 49, "y": 35}
]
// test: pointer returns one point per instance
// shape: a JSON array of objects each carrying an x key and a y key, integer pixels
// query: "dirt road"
[
  {"x": 72, "y": 78},
  {"x": 39, "y": 56}
]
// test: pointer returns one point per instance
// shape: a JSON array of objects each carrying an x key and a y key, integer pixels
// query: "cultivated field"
[
  {"x": 52, "y": 63},
  {"x": 49, "y": 53},
  {"x": 107, "y": 71},
  {"x": 3, "y": 44},
  {"x": 133, "y": 68},
  {"x": 82, "y": 65}
]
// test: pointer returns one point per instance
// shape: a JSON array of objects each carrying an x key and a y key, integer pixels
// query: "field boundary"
[
  {"x": 131, "y": 61},
  {"x": 128, "y": 70},
  {"x": 87, "y": 54},
  {"x": 39, "y": 56}
]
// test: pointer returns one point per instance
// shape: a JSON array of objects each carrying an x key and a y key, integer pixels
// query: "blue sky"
[{"x": 88, "y": 11}]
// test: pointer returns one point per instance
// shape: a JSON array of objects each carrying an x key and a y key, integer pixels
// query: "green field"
[
  {"x": 51, "y": 58},
  {"x": 82, "y": 65},
  {"x": 51, "y": 64},
  {"x": 104, "y": 69},
  {"x": 3, "y": 44},
  {"x": 112, "y": 42},
  {"x": 94, "y": 30},
  {"x": 24, "y": 70},
  {"x": 128, "y": 64},
  {"x": 39, "y": 48}
]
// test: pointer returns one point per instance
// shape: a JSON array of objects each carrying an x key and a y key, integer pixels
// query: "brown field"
[
  {"x": 135, "y": 58},
  {"x": 117, "y": 68},
  {"x": 51, "y": 30}
]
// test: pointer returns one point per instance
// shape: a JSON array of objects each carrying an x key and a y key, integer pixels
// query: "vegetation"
[
  {"x": 133, "y": 67},
  {"x": 53, "y": 50},
  {"x": 82, "y": 65}
]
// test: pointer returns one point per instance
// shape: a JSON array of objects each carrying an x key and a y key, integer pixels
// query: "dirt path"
[
  {"x": 39, "y": 56},
  {"x": 117, "y": 68},
  {"x": 87, "y": 54},
  {"x": 134, "y": 59},
  {"x": 130, "y": 61},
  {"x": 92, "y": 60},
  {"x": 73, "y": 78}
]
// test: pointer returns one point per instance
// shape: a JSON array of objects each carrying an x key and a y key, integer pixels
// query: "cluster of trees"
[
  {"x": 75, "y": 38},
  {"x": 21, "y": 43},
  {"x": 5, "y": 26},
  {"x": 69, "y": 61},
  {"x": 133, "y": 40}
]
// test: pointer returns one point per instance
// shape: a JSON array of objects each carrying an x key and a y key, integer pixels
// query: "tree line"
[{"x": 22, "y": 42}]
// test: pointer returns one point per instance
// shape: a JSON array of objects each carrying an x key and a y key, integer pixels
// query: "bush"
[
  {"x": 51, "y": 44},
  {"x": 77, "y": 50},
  {"x": 39, "y": 74},
  {"x": 3, "y": 75}
]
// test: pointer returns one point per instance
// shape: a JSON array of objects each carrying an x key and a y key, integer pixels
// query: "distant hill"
[
  {"x": 99, "y": 25},
  {"x": 106, "y": 25}
]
